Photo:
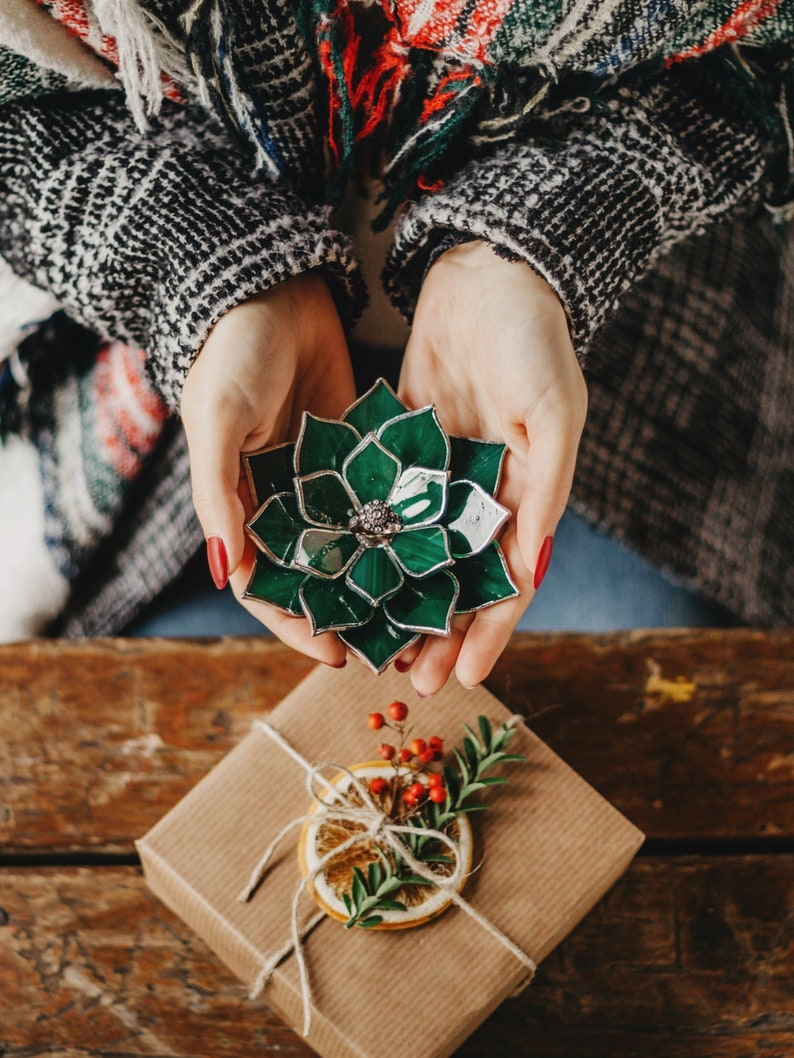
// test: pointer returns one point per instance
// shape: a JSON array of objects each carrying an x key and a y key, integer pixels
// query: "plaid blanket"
[{"x": 660, "y": 118}]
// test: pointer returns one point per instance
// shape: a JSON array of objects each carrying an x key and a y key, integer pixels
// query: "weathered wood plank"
[
  {"x": 99, "y": 739},
  {"x": 683, "y": 958},
  {"x": 718, "y": 765}
]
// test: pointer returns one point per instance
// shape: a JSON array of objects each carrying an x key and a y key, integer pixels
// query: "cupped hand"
[
  {"x": 263, "y": 364},
  {"x": 490, "y": 347}
]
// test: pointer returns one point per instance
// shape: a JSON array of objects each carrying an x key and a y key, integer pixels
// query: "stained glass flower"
[{"x": 378, "y": 526}]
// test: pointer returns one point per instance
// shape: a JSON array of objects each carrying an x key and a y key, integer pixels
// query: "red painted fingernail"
[
  {"x": 402, "y": 666},
  {"x": 543, "y": 561},
  {"x": 218, "y": 561}
]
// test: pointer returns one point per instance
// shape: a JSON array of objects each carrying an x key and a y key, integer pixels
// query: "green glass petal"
[
  {"x": 377, "y": 642},
  {"x": 426, "y": 605},
  {"x": 420, "y": 496},
  {"x": 269, "y": 471},
  {"x": 375, "y": 574},
  {"x": 378, "y": 404},
  {"x": 276, "y": 526},
  {"x": 330, "y": 605},
  {"x": 473, "y": 518},
  {"x": 326, "y": 552},
  {"x": 324, "y": 500},
  {"x": 484, "y": 580},
  {"x": 479, "y": 461},
  {"x": 370, "y": 471},
  {"x": 277, "y": 585},
  {"x": 416, "y": 438},
  {"x": 422, "y": 551},
  {"x": 323, "y": 445}
]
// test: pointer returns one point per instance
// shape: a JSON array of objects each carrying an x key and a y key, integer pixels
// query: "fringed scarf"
[{"x": 439, "y": 70}]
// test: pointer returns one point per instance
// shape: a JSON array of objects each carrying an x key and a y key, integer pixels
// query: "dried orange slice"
[{"x": 321, "y": 836}]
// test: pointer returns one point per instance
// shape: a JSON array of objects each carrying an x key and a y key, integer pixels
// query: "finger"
[
  {"x": 491, "y": 628},
  {"x": 404, "y": 662},
  {"x": 485, "y": 641},
  {"x": 214, "y": 443},
  {"x": 436, "y": 660},
  {"x": 294, "y": 631},
  {"x": 548, "y": 474}
]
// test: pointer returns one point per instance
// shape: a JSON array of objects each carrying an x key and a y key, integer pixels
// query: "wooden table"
[{"x": 691, "y": 955}]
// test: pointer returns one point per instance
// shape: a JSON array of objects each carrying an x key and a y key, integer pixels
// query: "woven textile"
[{"x": 629, "y": 152}]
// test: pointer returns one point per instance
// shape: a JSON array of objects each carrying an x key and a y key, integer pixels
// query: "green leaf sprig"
[{"x": 371, "y": 893}]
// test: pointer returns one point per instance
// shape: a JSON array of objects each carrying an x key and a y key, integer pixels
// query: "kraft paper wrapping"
[{"x": 548, "y": 848}]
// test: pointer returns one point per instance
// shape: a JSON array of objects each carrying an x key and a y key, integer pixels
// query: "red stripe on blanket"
[
  {"x": 437, "y": 25},
  {"x": 483, "y": 26},
  {"x": 130, "y": 414},
  {"x": 744, "y": 19},
  {"x": 72, "y": 14}
]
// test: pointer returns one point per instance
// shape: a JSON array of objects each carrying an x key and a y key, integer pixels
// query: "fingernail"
[
  {"x": 338, "y": 665},
  {"x": 218, "y": 561},
  {"x": 402, "y": 666},
  {"x": 543, "y": 561}
]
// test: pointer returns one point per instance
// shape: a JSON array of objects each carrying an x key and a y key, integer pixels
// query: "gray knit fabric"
[
  {"x": 643, "y": 203},
  {"x": 151, "y": 238}
]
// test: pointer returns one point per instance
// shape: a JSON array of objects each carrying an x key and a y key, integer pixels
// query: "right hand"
[
  {"x": 491, "y": 349},
  {"x": 264, "y": 363}
]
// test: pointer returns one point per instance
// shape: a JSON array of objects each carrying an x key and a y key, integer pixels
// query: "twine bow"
[{"x": 376, "y": 827}]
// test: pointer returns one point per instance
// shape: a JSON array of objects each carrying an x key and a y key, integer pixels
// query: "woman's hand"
[
  {"x": 490, "y": 348},
  {"x": 264, "y": 363}
]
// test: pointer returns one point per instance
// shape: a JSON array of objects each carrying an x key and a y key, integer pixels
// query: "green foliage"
[
  {"x": 481, "y": 751},
  {"x": 371, "y": 892}
]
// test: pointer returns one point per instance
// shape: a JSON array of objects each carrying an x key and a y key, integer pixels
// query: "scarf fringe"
[
  {"x": 209, "y": 32},
  {"x": 149, "y": 62}
]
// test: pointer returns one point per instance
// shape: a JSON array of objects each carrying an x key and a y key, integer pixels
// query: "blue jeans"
[{"x": 593, "y": 585}]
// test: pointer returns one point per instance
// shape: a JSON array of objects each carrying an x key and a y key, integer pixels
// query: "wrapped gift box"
[{"x": 548, "y": 848}]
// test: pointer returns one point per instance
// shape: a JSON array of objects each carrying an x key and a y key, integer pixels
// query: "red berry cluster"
[{"x": 416, "y": 755}]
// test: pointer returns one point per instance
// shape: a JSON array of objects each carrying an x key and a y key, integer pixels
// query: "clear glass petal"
[
  {"x": 484, "y": 580},
  {"x": 324, "y": 500},
  {"x": 326, "y": 552},
  {"x": 377, "y": 642},
  {"x": 375, "y": 574},
  {"x": 269, "y": 470},
  {"x": 276, "y": 585},
  {"x": 422, "y": 551},
  {"x": 276, "y": 526},
  {"x": 420, "y": 496},
  {"x": 378, "y": 404},
  {"x": 478, "y": 461},
  {"x": 417, "y": 439},
  {"x": 473, "y": 518},
  {"x": 370, "y": 471},
  {"x": 331, "y": 605},
  {"x": 426, "y": 605},
  {"x": 323, "y": 445}
]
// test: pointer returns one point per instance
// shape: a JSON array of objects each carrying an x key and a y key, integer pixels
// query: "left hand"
[{"x": 490, "y": 348}]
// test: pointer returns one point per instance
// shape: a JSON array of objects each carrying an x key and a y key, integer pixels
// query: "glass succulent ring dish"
[{"x": 378, "y": 526}]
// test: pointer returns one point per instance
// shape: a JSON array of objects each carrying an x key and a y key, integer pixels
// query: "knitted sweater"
[{"x": 604, "y": 148}]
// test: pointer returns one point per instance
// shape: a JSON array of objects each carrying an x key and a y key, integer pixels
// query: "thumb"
[
  {"x": 548, "y": 475},
  {"x": 214, "y": 446}
]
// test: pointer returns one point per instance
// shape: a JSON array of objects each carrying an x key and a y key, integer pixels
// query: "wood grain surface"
[
  {"x": 691, "y": 955},
  {"x": 681, "y": 958},
  {"x": 98, "y": 740}
]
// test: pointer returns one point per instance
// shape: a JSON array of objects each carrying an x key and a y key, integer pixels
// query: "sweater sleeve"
[
  {"x": 591, "y": 200},
  {"x": 151, "y": 237}
]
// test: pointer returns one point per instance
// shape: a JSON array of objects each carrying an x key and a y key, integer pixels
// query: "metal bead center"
[{"x": 377, "y": 519}]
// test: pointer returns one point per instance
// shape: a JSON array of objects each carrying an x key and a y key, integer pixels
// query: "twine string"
[{"x": 376, "y": 827}]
